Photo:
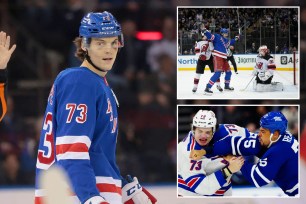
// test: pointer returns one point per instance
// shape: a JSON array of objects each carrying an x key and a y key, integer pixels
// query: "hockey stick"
[{"x": 247, "y": 84}]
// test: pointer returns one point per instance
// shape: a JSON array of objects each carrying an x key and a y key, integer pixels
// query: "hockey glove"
[{"x": 134, "y": 193}]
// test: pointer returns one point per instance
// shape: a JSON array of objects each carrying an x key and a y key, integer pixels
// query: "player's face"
[
  {"x": 225, "y": 35},
  {"x": 203, "y": 135},
  {"x": 264, "y": 136},
  {"x": 103, "y": 52}
]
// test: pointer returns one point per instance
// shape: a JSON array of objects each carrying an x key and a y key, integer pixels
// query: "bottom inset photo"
[{"x": 238, "y": 151}]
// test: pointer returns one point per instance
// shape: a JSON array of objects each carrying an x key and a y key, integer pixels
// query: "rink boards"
[{"x": 284, "y": 62}]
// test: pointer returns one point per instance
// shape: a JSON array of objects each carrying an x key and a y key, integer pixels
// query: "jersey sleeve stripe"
[
  {"x": 110, "y": 188},
  {"x": 73, "y": 139},
  {"x": 73, "y": 155},
  {"x": 252, "y": 176},
  {"x": 212, "y": 37},
  {"x": 238, "y": 145},
  {"x": 77, "y": 147},
  {"x": 261, "y": 175},
  {"x": 38, "y": 200},
  {"x": 293, "y": 189},
  {"x": 233, "y": 145}
]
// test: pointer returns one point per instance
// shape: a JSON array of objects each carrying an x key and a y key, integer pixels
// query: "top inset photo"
[{"x": 238, "y": 52}]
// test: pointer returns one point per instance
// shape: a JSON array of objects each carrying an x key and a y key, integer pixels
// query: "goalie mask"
[
  {"x": 205, "y": 119},
  {"x": 263, "y": 50}
]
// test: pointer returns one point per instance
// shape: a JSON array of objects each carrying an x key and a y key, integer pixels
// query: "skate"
[
  {"x": 219, "y": 88},
  {"x": 228, "y": 88},
  {"x": 208, "y": 91},
  {"x": 194, "y": 90}
]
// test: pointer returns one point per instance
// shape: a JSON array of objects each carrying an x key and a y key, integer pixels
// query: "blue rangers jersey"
[
  {"x": 220, "y": 44},
  {"x": 278, "y": 163},
  {"x": 79, "y": 133},
  {"x": 201, "y": 177}
]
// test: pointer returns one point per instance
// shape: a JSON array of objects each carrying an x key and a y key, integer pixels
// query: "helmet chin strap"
[
  {"x": 90, "y": 62},
  {"x": 271, "y": 142}
]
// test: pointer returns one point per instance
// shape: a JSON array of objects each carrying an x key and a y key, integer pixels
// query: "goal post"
[{"x": 296, "y": 69}]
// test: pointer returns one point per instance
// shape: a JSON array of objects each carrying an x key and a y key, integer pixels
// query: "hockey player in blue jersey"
[
  {"x": 279, "y": 163},
  {"x": 205, "y": 176},
  {"x": 80, "y": 126},
  {"x": 221, "y": 44}
]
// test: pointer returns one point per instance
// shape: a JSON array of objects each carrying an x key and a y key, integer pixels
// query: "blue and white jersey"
[
  {"x": 235, "y": 140},
  {"x": 79, "y": 133},
  {"x": 279, "y": 163},
  {"x": 201, "y": 177},
  {"x": 220, "y": 44}
]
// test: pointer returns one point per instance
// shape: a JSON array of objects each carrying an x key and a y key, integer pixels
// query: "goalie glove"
[{"x": 134, "y": 193}]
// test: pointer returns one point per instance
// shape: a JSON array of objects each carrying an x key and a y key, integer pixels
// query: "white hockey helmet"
[
  {"x": 205, "y": 119},
  {"x": 263, "y": 50}
]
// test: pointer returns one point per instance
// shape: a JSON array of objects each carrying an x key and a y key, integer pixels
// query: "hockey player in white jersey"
[
  {"x": 203, "y": 50},
  {"x": 264, "y": 71},
  {"x": 207, "y": 176}
]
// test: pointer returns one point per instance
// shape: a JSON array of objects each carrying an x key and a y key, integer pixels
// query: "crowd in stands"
[{"x": 252, "y": 21}]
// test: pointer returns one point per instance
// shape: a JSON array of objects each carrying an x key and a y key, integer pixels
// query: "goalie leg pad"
[
  {"x": 274, "y": 86},
  {"x": 277, "y": 86}
]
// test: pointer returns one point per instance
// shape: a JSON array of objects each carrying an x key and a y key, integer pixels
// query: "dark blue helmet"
[
  {"x": 224, "y": 30},
  {"x": 274, "y": 121},
  {"x": 100, "y": 25}
]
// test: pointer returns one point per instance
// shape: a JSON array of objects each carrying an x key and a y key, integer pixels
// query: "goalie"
[{"x": 264, "y": 70}]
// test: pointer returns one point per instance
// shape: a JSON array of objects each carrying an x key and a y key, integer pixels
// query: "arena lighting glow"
[{"x": 149, "y": 35}]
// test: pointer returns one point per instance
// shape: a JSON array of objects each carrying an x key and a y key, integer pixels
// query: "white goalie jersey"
[
  {"x": 203, "y": 49},
  {"x": 265, "y": 67},
  {"x": 201, "y": 177}
]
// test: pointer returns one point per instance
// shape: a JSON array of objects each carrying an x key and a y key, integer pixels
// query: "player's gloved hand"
[
  {"x": 134, "y": 193},
  {"x": 237, "y": 37},
  {"x": 96, "y": 200},
  {"x": 254, "y": 73}
]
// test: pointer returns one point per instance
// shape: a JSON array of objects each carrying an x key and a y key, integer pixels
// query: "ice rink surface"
[{"x": 238, "y": 81}]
